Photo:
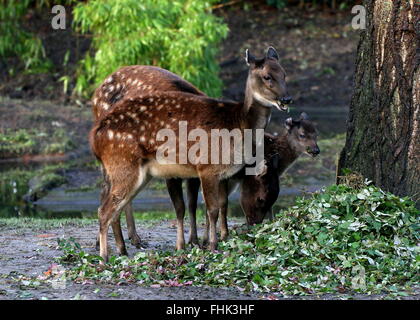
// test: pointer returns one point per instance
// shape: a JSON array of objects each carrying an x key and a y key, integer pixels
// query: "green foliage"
[
  {"x": 33, "y": 141},
  {"x": 181, "y": 36},
  {"x": 339, "y": 240},
  {"x": 16, "y": 142},
  {"x": 277, "y": 3},
  {"x": 16, "y": 41}
]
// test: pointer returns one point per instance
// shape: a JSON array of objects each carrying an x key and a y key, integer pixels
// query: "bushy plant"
[
  {"x": 181, "y": 36},
  {"x": 16, "y": 41}
]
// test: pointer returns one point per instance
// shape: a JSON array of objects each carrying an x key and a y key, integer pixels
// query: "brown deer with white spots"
[
  {"x": 125, "y": 140},
  {"x": 140, "y": 80}
]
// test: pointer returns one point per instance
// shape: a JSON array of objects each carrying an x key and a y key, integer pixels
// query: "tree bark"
[{"x": 383, "y": 137}]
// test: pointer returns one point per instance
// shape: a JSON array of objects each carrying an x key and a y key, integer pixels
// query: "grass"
[
  {"x": 43, "y": 224},
  {"x": 16, "y": 143}
]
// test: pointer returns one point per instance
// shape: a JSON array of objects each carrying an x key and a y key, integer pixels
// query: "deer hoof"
[
  {"x": 193, "y": 241},
  {"x": 224, "y": 237},
  {"x": 135, "y": 241}
]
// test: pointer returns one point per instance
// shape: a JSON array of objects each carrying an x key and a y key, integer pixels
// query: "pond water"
[{"x": 64, "y": 203}]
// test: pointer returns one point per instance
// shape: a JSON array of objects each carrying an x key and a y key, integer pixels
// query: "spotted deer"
[
  {"x": 138, "y": 80},
  {"x": 125, "y": 140}
]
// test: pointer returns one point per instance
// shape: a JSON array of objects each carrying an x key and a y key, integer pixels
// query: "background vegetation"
[{"x": 181, "y": 35}]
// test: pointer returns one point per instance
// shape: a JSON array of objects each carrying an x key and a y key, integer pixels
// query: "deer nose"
[
  {"x": 286, "y": 100},
  {"x": 316, "y": 151}
]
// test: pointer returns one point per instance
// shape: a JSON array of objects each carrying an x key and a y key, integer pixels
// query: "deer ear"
[
  {"x": 272, "y": 54},
  {"x": 288, "y": 124},
  {"x": 249, "y": 58},
  {"x": 304, "y": 116}
]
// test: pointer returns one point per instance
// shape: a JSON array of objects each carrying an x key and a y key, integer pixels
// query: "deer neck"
[
  {"x": 257, "y": 114},
  {"x": 287, "y": 155}
]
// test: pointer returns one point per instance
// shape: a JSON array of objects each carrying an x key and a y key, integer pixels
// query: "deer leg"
[
  {"x": 104, "y": 193},
  {"x": 119, "y": 239},
  {"x": 223, "y": 204},
  {"x": 270, "y": 214},
  {"x": 106, "y": 213},
  {"x": 192, "y": 191},
  {"x": 210, "y": 187},
  {"x": 206, "y": 232},
  {"x": 131, "y": 226},
  {"x": 175, "y": 192},
  {"x": 109, "y": 214},
  {"x": 123, "y": 188}
]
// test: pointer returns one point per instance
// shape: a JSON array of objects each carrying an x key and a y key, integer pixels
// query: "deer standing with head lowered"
[
  {"x": 259, "y": 193},
  {"x": 126, "y": 140}
]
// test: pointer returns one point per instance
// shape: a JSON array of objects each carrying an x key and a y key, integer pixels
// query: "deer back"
[{"x": 136, "y": 80}]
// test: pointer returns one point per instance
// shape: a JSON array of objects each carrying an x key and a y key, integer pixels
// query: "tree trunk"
[{"x": 383, "y": 137}]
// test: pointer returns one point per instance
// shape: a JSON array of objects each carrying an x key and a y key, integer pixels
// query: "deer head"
[
  {"x": 267, "y": 80},
  {"x": 302, "y": 135}
]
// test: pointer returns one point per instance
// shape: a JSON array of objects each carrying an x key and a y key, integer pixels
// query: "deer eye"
[
  {"x": 302, "y": 136},
  {"x": 267, "y": 78}
]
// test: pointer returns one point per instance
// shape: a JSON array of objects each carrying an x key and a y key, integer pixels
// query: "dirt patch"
[{"x": 31, "y": 252}]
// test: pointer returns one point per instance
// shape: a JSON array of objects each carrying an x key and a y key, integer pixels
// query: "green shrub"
[
  {"x": 277, "y": 3},
  {"x": 16, "y": 41},
  {"x": 14, "y": 143},
  {"x": 181, "y": 36}
]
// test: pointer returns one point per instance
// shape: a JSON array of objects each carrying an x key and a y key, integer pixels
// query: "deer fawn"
[
  {"x": 258, "y": 193},
  {"x": 137, "y": 80},
  {"x": 126, "y": 140}
]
